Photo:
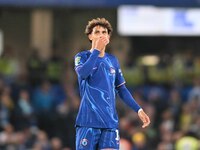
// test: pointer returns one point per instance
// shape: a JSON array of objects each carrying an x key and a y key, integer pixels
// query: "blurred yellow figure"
[
  {"x": 139, "y": 140},
  {"x": 187, "y": 143}
]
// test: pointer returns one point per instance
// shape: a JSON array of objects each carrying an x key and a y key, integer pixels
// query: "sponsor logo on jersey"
[
  {"x": 112, "y": 70},
  {"x": 84, "y": 142}
]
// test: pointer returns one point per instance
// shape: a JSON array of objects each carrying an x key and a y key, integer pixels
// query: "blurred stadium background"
[{"x": 157, "y": 43}]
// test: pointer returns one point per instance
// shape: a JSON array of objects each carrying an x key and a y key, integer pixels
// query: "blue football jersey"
[{"x": 98, "y": 91}]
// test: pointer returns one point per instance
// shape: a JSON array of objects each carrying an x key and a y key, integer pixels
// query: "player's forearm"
[
  {"x": 126, "y": 96},
  {"x": 85, "y": 70}
]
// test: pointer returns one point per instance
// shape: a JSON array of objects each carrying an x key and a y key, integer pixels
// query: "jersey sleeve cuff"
[
  {"x": 139, "y": 110},
  {"x": 121, "y": 84},
  {"x": 95, "y": 52}
]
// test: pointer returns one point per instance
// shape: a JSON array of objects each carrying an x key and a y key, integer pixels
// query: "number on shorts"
[{"x": 117, "y": 135}]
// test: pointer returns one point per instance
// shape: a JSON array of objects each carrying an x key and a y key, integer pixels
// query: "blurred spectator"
[
  {"x": 42, "y": 141},
  {"x": 175, "y": 103},
  {"x": 195, "y": 92},
  {"x": 166, "y": 131},
  {"x": 6, "y": 107},
  {"x": 55, "y": 67},
  {"x": 125, "y": 144},
  {"x": 196, "y": 126},
  {"x": 43, "y": 98},
  {"x": 29, "y": 137},
  {"x": 56, "y": 143},
  {"x": 43, "y": 102},
  {"x": 9, "y": 65},
  {"x": 8, "y": 137},
  {"x": 187, "y": 142},
  {"x": 185, "y": 117},
  {"x": 36, "y": 68},
  {"x": 2, "y": 84},
  {"x": 155, "y": 97},
  {"x": 24, "y": 111},
  {"x": 139, "y": 141}
]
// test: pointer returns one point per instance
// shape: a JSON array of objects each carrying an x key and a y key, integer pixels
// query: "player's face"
[{"x": 98, "y": 32}]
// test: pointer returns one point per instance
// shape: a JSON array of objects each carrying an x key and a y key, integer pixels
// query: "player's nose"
[{"x": 101, "y": 34}]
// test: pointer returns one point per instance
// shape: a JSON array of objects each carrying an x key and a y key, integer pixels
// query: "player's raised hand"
[
  {"x": 144, "y": 117},
  {"x": 105, "y": 39},
  {"x": 100, "y": 43}
]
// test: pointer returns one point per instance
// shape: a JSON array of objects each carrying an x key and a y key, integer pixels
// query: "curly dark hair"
[{"x": 98, "y": 22}]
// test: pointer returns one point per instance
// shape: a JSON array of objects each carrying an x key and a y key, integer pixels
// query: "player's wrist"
[
  {"x": 140, "y": 110},
  {"x": 95, "y": 52}
]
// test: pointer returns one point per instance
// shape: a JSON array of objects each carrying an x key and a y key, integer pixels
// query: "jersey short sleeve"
[{"x": 119, "y": 76}]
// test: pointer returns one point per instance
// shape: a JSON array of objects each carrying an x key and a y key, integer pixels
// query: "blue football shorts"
[{"x": 96, "y": 138}]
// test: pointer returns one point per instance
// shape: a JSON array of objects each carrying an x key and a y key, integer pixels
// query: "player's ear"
[
  {"x": 90, "y": 37},
  {"x": 109, "y": 36}
]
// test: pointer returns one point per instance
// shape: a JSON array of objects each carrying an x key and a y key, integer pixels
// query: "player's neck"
[{"x": 102, "y": 53}]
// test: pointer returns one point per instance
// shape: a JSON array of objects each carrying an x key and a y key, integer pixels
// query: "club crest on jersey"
[
  {"x": 84, "y": 142},
  {"x": 77, "y": 60},
  {"x": 112, "y": 70}
]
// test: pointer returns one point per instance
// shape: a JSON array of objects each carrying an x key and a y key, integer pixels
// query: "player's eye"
[{"x": 96, "y": 32}]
